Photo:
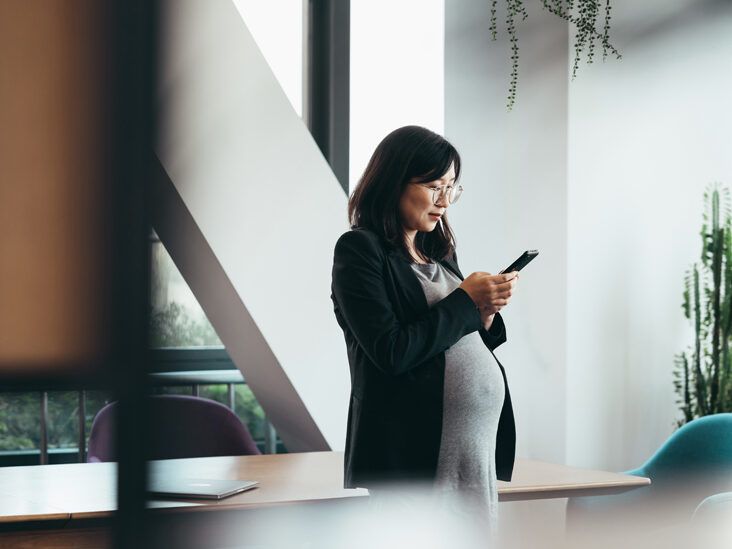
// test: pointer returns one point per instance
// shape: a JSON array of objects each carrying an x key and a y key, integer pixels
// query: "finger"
[
  {"x": 502, "y": 286},
  {"x": 501, "y": 279},
  {"x": 502, "y": 293}
]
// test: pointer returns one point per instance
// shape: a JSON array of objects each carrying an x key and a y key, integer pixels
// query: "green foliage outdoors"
[
  {"x": 20, "y": 418},
  {"x": 703, "y": 373},
  {"x": 19, "y": 421},
  {"x": 174, "y": 327}
]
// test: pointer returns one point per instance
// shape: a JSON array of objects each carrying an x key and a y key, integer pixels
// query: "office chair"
[
  {"x": 182, "y": 426},
  {"x": 695, "y": 462}
]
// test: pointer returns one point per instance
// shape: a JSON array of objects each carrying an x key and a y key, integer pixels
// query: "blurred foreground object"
[
  {"x": 54, "y": 186},
  {"x": 354, "y": 524}
]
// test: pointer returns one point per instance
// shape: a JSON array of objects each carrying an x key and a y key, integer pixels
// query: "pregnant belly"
[{"x": 473, "y": 380}]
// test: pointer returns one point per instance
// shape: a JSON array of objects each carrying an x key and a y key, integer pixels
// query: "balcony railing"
[{"x": 214, "y": 367}]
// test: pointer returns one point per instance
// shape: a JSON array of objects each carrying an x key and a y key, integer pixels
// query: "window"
[
  {"x": 277, "y": 29},
  {"x": 397, "y": 72},
  {"x": 176, "y": 318}
]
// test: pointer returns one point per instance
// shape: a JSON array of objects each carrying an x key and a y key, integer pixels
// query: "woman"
[{"x": 429, "y": 401}]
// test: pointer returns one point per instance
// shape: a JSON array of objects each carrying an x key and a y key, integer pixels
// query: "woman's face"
[{"x": 417, "y": 208}]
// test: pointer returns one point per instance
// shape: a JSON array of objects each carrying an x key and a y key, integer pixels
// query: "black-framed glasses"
[{"x": 451, "y": 192}]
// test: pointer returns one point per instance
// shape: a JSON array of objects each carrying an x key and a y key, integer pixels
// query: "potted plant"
[{"x": 703, "y": 373}]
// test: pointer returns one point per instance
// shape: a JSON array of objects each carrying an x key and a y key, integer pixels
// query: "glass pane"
[
  {"x": 95, "y": 401},
  {"x": 249, "y": 411},
  {"x": 277, "y": 30},
  {"x": 175, "y": 390},
  {"x": 63, "y": 419},
  {"x": 177, "y": 319},
  {"x": 410, "y": 59},
  {"x": 215, "y": 392},
  {"x": 20, "y": 421}
]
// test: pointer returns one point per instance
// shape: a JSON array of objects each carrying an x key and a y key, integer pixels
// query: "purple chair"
[{"x": 182, "y": 427}]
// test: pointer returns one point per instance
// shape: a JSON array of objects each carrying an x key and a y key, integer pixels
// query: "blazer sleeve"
[
  {"x": 360, "y": 293},
  {"x": 496, "y": 335}
]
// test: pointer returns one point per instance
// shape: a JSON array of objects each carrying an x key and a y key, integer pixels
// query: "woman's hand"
[{"x": 490, "y": 293}]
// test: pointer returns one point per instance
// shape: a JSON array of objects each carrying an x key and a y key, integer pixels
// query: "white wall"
[
  {"x": 514, "y": 175},
  {"x": 647, "y": 134},
  {"x": 605, "y": 176}
]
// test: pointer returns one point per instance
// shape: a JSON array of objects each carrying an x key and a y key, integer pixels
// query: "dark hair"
[{"x": 411, "y": 153}]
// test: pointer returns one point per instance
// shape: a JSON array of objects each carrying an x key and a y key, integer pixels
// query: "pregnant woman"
[{"x": 429, "y": 401}]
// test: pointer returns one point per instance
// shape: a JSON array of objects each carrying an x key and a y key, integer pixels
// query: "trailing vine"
[
  {"x": 493, "y": 28},
  {"x": 582, "y": 14}
]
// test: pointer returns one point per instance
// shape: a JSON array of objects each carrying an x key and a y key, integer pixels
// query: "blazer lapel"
[
  {"x": 408, "y": 283},
  {"x": 452, "y": 265}
]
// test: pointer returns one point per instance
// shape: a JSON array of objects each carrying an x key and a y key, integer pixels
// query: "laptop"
[{"x": 173, "y": 487}]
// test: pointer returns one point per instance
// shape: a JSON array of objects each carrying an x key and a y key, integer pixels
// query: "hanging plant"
[
  {"x": 583, "y": 15},
  {"x": 703, "y": 373}
]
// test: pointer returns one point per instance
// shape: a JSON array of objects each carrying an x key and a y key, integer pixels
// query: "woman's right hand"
[{"x": 490, "y": 293}]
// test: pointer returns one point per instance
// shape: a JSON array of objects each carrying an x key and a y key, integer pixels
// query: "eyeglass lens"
[{"x": 452, "y": 194}]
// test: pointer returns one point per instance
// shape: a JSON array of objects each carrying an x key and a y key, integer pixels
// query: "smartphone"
[{"x": 521, "y": 262}]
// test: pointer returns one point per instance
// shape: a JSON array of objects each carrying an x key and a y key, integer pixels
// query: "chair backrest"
[
  {"x": 702, "y": 446},
  {"x": 182, "y": 426}
]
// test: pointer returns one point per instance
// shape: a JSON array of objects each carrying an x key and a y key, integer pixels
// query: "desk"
[{"x": 75, "y": 493}]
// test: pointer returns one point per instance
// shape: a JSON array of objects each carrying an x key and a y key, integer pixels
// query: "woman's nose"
[{"x": 442, "y": 201}]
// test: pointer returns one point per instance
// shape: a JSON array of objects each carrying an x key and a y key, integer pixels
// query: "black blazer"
[{"x": 396, "y": 351}]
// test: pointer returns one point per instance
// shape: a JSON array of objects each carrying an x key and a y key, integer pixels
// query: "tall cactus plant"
[{"x": 703, "y": 374}]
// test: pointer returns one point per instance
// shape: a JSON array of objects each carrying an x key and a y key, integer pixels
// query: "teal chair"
[{"x": 694, "y": 463}]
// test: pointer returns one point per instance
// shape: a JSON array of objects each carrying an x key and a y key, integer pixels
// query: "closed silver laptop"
[{"x": 173, "y": 487}]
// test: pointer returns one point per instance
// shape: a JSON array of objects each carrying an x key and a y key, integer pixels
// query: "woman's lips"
[{"x": 435, "y": 216}]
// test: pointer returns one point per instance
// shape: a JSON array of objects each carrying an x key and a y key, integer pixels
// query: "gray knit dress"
[{"x": 472, "y": 402}]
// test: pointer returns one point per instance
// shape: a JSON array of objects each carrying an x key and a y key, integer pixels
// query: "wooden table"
[{"x": 77, "y": 493}]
